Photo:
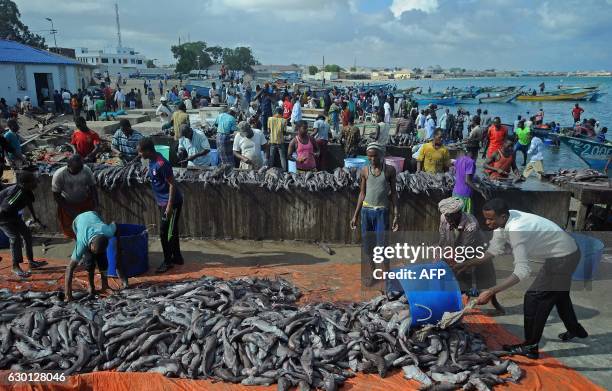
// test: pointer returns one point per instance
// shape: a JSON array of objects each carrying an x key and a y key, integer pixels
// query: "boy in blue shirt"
[
  {"x": 170, "y": 202},
  {"x": 92, "y": 236}
]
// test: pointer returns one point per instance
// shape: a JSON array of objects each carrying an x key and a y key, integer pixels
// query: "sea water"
[{"x": 560, "y": 112}]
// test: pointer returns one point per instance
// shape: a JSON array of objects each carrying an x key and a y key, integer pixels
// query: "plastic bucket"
[
  {"x": 591, "y": 251},
  {"x": 364, "y": 158},
  {"x": 354, "y": 163},
  {"x": 163, "y": 150},
  {"x": 134, "y": 250},
  {"x": 430, "y": 298},
  {"x": 214, "y": 157},
  {"x": 397, "y": 162}
]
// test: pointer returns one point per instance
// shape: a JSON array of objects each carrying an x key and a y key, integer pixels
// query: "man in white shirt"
[
  {"x": 163, "y": 111},
  {"x": 430, "y": 126},
  {"x": 248, "y": 145},
  {"x": 532, "y": 237},
  {"x": 296, "y": 112},
  {"x": 536, "y": 164},
  {"x": 387, "y": 108},
  {"x": 120, "y": 99},
  {"x": 194, "y": 147}
]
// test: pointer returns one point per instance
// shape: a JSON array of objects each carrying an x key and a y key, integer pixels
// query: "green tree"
[
  {"x": 312, "y": 70},
  {"x": 12, "y": 28},
  {"x": 333, "y": 68},
  {"x": 216, "y": 54},
  {"x": 187, "y": 56},
  {"x": 239, "y": 58},
  {"x": 353, "y": 69},
  {"x": 151, "y": 64},
  {"x": 417, "y": 71}
]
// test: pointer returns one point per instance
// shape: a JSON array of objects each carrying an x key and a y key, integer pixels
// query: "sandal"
[
  {"x": 164, "y": 267},
  {"x": 22, "y": 274},
  {"x": 37, "y": 264}
]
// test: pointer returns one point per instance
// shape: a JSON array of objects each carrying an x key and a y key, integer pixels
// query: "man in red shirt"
[
  {"x": 496, "y": 135},
  {"x": 576, "y": 112},
  {"x": 85, "y": 141}
]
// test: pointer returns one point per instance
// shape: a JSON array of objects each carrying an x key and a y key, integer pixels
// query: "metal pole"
[{"x": 53, "y": 32}]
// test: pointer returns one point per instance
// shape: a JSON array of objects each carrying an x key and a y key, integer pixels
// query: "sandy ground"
[{"x": 322, "y": 277}]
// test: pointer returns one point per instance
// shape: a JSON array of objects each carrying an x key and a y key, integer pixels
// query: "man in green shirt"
[
  {"x": 100, "y": 106},
  {"x": 523, "y": 133}
]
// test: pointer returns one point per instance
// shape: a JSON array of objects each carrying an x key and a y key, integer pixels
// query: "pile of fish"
[
  {"x": 424, "y": 182},
  {"x": 246, "y": 330},
  {"x": 112, "y": 177},
  {"x": 586, "y": 175},
  {"x": 488, "y": 186}
]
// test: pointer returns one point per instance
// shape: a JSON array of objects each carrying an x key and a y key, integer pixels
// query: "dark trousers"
[
  {"x": 91, "y": 115},
  {"x": 322, "y": 159},
  {"x": 169, "y": 234},
  {"x": 523, "y": 148},
  {"x": 551, "y": 289},
  {"x": 264, "y": 122},
  {"x": 17, "y": 232},
  {"x": 282, "y": 155}
]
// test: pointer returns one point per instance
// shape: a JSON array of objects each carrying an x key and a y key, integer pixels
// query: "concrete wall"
[
  {"x": 252, "y": 212},
  {"x": 8, "y": 80}
]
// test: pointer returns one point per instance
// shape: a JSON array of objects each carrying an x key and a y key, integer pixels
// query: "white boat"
[{"x": 497, "y": 98}]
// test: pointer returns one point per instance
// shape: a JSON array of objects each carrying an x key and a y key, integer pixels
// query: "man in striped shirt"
[
  {"x": 13, "y": 199},
  {"x": 125, "y": 141}
]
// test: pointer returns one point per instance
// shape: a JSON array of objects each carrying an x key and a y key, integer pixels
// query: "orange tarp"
[{"x": 318, "y": 282}]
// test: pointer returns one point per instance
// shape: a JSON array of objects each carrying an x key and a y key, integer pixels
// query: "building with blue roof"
[{"x": 26, "y": 71}]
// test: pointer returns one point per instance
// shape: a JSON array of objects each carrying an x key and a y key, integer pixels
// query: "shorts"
[{"x": 90, "y": 261}]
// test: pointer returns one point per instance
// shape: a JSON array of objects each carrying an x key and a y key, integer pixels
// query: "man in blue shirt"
[
  {"x": 13, "y": 138},
  {"x": 170, "y": 202},
  {"x": 125, "y": 141},
  {"x": 226, "y": 125},
  {"x": 92, "y": 238}
]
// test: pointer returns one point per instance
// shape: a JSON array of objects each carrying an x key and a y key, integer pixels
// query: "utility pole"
[
  {"x": 53, "y": 31},
  {"x": 323, "y": 70},
  {"x": 198, "y": 60},
  {"x": 118, "y": 25}
]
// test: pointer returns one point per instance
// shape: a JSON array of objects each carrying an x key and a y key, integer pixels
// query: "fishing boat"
[
  {"x": 498, "y": 98},
  {"x": 442, "y": 101},
  {"x": 592, "y": 152},
  {"x": 554, "y": 96}
]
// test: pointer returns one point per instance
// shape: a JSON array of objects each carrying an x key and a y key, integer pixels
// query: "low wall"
[{"x": 251, "y": 212}]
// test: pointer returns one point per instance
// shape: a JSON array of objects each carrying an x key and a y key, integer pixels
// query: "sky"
[{"x": 560, "y": 35}]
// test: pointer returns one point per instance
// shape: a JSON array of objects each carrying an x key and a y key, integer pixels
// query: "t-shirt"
[
  {"x": 100, "y": 106},
  {"x": 322, "y": 129},
  {"x": 160, "y": 171},
  {"x": 13, "y": 140},
  {"x": 84, "y": 142},
  {"x": 87, "y": 226},
  {"x": 128, "y": 146},
  {"x": 250, "y": 147},
  {"x": 277, "y": 127},
  {"x": 226, "y": 123},
  {"x": 179, "y": 117},
  {"x": 465, "y": 165},
  {"x": 523, "y": 135},
  {"x": 12, "y": 200},
  {"x": 73, "y": 187},
  {"x": 434, "y": 159},
  {"x": 197, "y": 144}
]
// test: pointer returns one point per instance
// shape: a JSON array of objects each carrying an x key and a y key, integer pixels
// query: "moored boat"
[
  {"x": 499, "y": 98},
  {"x": 552, "y": 96},
  {"x": 443, "y": 101},
  {"x": 592, "y": 152}
]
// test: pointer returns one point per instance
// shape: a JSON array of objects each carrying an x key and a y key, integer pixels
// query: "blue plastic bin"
[
  {"x": 134, "y": 250},
  {"x": 354, "y": 162},
  {"x": 429, "y": 299},
  {"x": 591, "y": 251}
]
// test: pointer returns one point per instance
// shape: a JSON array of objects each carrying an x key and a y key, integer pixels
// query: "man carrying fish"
[
  {"x": 92, "y": 237},
  {"x": 532, "y": 237}
]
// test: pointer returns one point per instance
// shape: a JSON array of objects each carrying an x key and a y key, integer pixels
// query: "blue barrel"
[
  {"x": 354, "y": 163},
  {"x": 429, "y": 299},
  {"x": 134, "y": 250},
  {"x": 591, "y": 251}
]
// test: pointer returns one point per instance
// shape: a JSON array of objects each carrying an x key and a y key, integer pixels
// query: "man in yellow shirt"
[
  {"x": 277, "y": 126},
  {"x": 179, "y": 117},
  {"x": 434, "y": 156}
]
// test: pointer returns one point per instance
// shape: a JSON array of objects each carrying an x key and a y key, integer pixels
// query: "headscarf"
[
  {"x": 450, "y": 205},
  {"x": 380, "y": 150}
]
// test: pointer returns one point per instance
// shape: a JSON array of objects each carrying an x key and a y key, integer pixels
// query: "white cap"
[
  {"x": 163, "y": 99},
  {"x": 26, "y": 97}
]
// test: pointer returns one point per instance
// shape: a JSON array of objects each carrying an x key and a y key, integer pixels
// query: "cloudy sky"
[{"x": 475, "y": 34}]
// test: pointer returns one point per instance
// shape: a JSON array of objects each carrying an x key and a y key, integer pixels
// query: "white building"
[
  {"x": 27, "y": 71},
  {"x": 113, "y": 59}
]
